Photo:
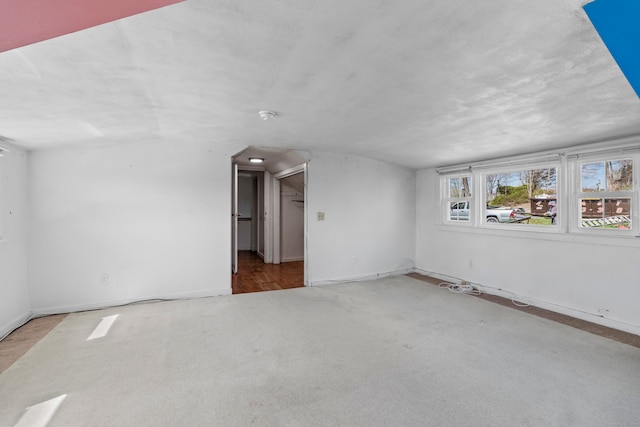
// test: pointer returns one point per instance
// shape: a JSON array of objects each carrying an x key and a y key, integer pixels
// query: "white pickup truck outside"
[{"x": 460, "y": 212}]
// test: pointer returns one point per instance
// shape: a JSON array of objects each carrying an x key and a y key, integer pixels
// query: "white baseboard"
[
  {"x": 546, "y": 305},
  {"x": 589, "y": 317},
  {"x": 361, "y": 278},
  {"x": 291, "y": 259},
  {"x": 15, "y": 324},
  {"x": 43, "y": 311}
]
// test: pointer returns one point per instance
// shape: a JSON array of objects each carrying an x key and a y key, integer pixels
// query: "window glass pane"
[
  {"x": 459, "y": 211},
  {"x": 619, "y": 175},
  {"x": 460, "y": 187},
  {"x": 522, "y": 197},
  {"x": 612, "y": 175},
  {"x": 605, "y": 213},
  {"x": 593, "y": 177}
]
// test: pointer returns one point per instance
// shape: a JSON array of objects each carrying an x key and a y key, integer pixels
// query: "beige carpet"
[{"x": 392, "y": 352}]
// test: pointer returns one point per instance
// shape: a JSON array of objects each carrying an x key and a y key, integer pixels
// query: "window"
[
  {"x": 458, "y": 190},
  {"x": 590, "y": 190},
  {"x": 515, "y": 196},
  {"x": 522, "y": 196},
  {"x": 606, "y": 196}
]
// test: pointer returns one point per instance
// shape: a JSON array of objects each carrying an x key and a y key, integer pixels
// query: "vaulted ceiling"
[{"x": 417, "y": 83}]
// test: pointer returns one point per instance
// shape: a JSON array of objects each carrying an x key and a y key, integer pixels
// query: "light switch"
[{"x": 320, "y": 216}]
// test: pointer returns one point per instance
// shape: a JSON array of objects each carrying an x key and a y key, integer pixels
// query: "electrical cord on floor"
[
  {"x": 519, "y": 304},
  {"x": 462, "y": 288},
  {"x": 468, "y": 288},
  {"x": 513, "y": 301}
]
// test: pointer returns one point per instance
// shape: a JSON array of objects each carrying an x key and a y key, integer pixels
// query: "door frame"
[
  {"x": 277, "y": 252},
  {"x": 234, "y": 219},
  {"x": 271, "y": 230}
]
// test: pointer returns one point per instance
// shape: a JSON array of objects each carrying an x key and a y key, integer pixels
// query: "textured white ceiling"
[{"x": 412, "y": 82}]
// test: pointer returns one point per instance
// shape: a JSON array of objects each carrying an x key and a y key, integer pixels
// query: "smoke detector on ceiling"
[{"x": 266, "y": 115}]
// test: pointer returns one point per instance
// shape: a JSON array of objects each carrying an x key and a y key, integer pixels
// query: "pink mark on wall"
[{"x": 23, "y": 22}]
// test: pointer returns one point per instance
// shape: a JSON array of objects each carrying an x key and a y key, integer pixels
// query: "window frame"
[
  {"x": 567, "y": 162},
  {"x": 520, "y": 167},
  {"x": 478, "y": 199},
  {"x": 445, "y": 187},
  {"x": 577, "y": 194}
]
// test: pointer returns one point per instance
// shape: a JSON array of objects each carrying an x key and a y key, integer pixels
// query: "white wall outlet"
[
  {"x": 470, "y": 263},
  {"x": 104, "y": 279},
  {"x": 320, "y": 216}
]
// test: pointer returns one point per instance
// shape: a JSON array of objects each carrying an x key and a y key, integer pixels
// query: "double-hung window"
[
  {"x": 606, "y": 199},
  {"x": 512, "y": 194},
  {"x": 590, "y": 191},
  {"x": 458, "y": 200}
]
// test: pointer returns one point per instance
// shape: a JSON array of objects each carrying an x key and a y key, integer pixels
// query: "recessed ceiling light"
[{"x": 256, "y": 159}]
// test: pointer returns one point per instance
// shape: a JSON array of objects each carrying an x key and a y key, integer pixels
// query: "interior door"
[{"x": 234, "y": 219}]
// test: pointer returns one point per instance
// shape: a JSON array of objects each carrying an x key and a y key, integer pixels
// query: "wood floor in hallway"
[{"x": 256, "y": 276}]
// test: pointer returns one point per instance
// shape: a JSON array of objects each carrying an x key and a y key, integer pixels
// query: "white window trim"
[
  {"x": 477, "y": 201},
  {"x": 445, "y": 202},
  {"x": 557, "y": 228},
  {"x": 576, "y": 194},
  {"x": 567, "y": 162}
]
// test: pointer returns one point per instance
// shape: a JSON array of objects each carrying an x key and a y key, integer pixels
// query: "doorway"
[{"x": 268, "y": 232}]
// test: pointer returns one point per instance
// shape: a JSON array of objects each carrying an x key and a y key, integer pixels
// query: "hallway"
[{"x": 256, "y": 276}]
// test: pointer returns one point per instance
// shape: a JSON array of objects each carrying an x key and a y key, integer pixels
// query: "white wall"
[
  {"x": 14, "y": 300},
  {"x": 292, "y": 224},
  {"x": 152, "y": 215},
  {"x": 581, "y": 277},
  {"x": 369, "y": 226}
]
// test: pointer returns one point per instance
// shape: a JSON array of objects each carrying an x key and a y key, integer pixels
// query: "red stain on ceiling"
[{"x": 23, "y": 22}]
